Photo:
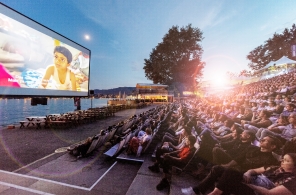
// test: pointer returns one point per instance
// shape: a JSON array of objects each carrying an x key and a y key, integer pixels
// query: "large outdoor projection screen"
[{"x": 36, "y": 61}]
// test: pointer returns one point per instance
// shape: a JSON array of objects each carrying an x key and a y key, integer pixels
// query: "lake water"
[{"x": 14, "y": 110}]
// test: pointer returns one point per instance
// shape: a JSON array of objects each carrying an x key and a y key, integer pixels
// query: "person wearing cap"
[
  {"x": 257, "y": 157},
  {"x": 227, "y": 151},
  {"x": 58, "y": 75}
]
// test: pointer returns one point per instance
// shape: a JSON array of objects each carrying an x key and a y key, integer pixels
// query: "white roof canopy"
[
  {"x": 281, "y": 61},
  {"x": 284, "y": 60}
]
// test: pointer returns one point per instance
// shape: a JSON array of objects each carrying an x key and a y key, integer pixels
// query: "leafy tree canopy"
[
  {"x": 177, "y": 59},
  {"x": 273, "y": 49}
]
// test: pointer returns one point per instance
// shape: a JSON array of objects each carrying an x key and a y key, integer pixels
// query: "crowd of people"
[
  {"x": 240, "y": 143},
  {"x": 246, "y": 140}
]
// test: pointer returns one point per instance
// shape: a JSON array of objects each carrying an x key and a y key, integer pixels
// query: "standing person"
[{"x": 58, "y": 75}]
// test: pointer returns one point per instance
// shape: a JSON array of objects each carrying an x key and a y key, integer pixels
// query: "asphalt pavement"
[{"x": 33, "y": 161}]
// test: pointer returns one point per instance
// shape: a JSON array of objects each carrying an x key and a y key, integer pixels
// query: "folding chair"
[
  {"x": 100, "y": 142},
  {"x": 111, "y": 134},
  {"x": 93, "y": 145},
  {"x": 179, "y": 170},
  {"x": 127, "y": 139},
  {"x": 115, "y": 149}
]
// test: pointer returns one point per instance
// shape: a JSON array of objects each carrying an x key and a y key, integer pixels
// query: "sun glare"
[
  {"x": 219, "y": 81},
  {"x": 87, "y": 37}
]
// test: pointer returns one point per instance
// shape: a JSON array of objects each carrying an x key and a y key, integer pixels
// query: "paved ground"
[
  {"x": 29, "y": 164},
  {"x": 20, "y": 147}
]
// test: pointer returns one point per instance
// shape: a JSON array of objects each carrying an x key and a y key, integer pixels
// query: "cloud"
[
  {"x": 101, "y": 12},
  {"x": 223, "y": 18},
  {"x": 276, "y": 25},
  {"x": 210, "y": 17},
  {"x": 216, "y": 15},
  {"x": 116, "y": 14},
  {"x": 199, "y": 13}
]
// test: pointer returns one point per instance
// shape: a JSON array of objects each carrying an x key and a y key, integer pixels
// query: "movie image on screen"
[{"x": 37, "y": 61}]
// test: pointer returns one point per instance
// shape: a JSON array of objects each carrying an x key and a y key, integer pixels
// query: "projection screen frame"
[{"x": 36, "y": 92}]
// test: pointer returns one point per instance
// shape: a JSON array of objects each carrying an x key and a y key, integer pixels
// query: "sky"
[{"x": 123, "y": 33}]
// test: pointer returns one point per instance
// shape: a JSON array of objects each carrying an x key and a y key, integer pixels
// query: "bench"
[
  {"x": 38, "y": 124},
  {"x": 57, "y": 123},
  {"x": 23, "y": 123}
]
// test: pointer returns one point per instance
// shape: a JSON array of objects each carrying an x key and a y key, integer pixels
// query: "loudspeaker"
[
  {"x": 91, "y": 92},
  {"x": 43, "y": 101},
  {"x": 34, "y": 101}
]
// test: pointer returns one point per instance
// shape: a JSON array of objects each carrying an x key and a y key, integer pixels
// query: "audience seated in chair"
[
  {"x": 257, "y": 157},
  {"x": 227, "y": 151},
  {"x": 262, "y": 121},
  {"x": 81, "y": 149},
  {"x": 277, "y": 179},
  {"x": 284, "y": 133},
  {"x": 177, "y": 158},
  {"x": 137, "y": 141}
]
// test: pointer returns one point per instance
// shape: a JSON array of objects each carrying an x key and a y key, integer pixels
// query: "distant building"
[{"x": 155, "y": 92}]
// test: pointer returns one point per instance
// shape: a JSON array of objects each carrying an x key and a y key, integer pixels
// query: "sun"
[
  {"x": 87, "y": 37},
  {"x": 219, "y": 81}
]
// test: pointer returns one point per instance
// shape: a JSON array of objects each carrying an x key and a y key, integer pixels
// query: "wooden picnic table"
[
  {"x": 54, "y": 115},
  {"x": 35, "y": 120}
]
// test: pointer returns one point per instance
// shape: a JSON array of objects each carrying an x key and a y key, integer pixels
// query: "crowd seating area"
[
  {"x": 246, "y": 117},
  {"x": 119, "y": 135},
  {"x": 75, "y": 118}
]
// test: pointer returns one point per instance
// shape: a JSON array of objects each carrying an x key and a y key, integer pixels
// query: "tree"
[
  {"x": 177, "y": 59},
  {"x": 273, "y": 49}
]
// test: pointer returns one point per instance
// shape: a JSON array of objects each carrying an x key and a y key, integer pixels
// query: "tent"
[
  {"x": 281, "y": 61},
  {"x": 271, "y": 63},
  {"x": 284, "y": 60}
]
